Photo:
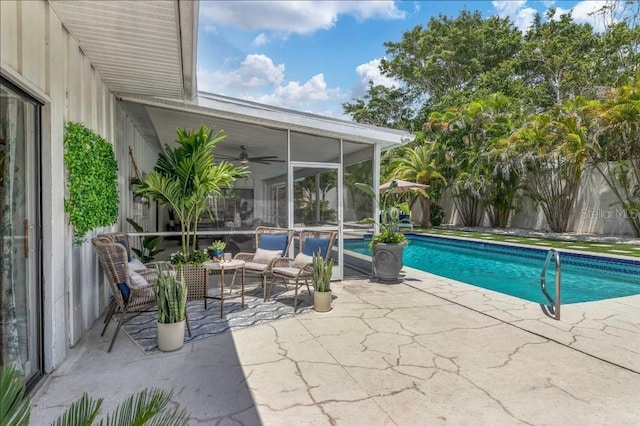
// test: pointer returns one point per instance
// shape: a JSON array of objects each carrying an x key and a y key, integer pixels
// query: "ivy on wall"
[{"x": 92, "y": 188}]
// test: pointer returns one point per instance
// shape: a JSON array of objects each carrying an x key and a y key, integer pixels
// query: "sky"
[{"x": 313, "y": 56}]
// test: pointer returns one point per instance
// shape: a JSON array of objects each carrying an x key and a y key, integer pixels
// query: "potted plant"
[
  {"x": 216, "y": 250},
  {"x": 134, "y": 182},
  {"x": 149, "y": 244},
  {"x": 321, "y": 284},
  {"x": 186, "y": 178},
  {"x": 388, "y": 244},
  {"x": 171, "y": 298}
]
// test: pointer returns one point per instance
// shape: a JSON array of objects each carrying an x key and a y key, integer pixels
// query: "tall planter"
[
  {"x": 387, "y": 261},
  {"x": 171, "y": 299},
  {"x": 322, "y": 301},
  {"x": 171, "y": 336}
]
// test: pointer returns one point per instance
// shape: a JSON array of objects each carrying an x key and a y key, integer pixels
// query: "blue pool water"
[{"x": 516, "y": 270}]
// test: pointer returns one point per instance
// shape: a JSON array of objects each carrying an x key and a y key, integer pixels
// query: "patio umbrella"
[{"x": 403, "y": 186}]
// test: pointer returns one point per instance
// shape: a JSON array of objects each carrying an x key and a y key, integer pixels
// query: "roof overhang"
[
  {"x": 143, "y": 48},
  {"x": 252, "y": 113}
]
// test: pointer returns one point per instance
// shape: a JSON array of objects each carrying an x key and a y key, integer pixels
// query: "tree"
[
  {"x": 450, "y": 54},
  {"x": 478, "y": 175},
  {"x": 615, "y": 148},
  {"x": 186, "y": 178},
  {"x": 557, "y": 59},
  {"x": 382, "y": 106},
  {"x": 417, "y": 165},
  {"x": 554, "y": 147}
]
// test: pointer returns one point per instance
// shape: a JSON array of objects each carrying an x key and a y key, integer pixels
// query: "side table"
[{"x": 229, "y": 265}]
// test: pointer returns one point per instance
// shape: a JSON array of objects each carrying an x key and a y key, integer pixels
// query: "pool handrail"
[{"x": 543, "y": 281}]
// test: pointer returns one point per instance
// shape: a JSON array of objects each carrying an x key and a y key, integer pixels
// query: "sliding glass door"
[
  {"x": 317, "y": 202},
  {"x": 20, "y": 294}
]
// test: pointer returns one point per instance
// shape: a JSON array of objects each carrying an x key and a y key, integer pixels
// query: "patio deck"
[{"x": 427, "y": 351}]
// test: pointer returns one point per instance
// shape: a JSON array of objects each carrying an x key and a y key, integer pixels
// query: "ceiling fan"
[{"x": 244, "y": 158}]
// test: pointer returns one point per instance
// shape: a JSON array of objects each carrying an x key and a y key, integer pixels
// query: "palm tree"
[
  {"x": 615, "y": 149},
  {"x": 554, "y": 145},
  {"x": 186, "y": 178},
  {"x": 417, "y": 165}
]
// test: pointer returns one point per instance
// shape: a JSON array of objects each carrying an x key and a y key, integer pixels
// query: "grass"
[{"x": 614, "y": 249}]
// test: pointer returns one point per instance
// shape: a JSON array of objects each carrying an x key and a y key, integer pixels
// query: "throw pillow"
[
  {"x": 301, "y": 260},
  {"x": 265, "y": 256},
  {"x": 136, "y": 265},
  {"x": 124, "y": 244},
  {"x": 273, "y": 242},
  {"x": 314, "y": 245},
  {"x": 136, "y": 279}
]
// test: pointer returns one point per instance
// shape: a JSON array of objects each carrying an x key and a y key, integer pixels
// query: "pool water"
[{"x": 516, "y": 270}]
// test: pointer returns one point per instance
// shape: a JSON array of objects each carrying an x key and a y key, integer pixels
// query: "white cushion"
[
  {"x": 302, "y": 260},
  {"x": 287, "y": 272},
  {"x": 136, "y": 265},
  {"x": 136, "y": 279},
  {"x": 265, "y": 256},
  {"x": 252, "y": 266}
]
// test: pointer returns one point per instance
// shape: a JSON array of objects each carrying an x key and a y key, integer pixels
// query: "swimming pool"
[{"x": 515, "y": 270}]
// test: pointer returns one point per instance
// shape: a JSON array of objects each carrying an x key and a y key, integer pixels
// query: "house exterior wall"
[{"x": 42, "y": 58}]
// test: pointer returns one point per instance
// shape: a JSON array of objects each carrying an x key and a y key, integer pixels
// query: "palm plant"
[
  {"x": 390, "y": 209},
  {"x": 554, "y": 146},
  {"x": 615, "y": 147},
  {"x": 186, "y": 178},
  {"x": 418, "y": 165},
  {"x": 145, "y": 407}
]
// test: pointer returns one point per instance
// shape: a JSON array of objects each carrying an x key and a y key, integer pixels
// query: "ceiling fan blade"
[
  {"x": 266, "y": 157},
  {"x": 265, "y": 160}
]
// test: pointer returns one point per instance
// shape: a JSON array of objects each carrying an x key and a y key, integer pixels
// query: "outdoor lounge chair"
[
  {"x": 300, "y": 269},
  {"x": 404, "y": 221},
  {"x": 132, "y": 291},
  {"x": 271, "y": 244}
]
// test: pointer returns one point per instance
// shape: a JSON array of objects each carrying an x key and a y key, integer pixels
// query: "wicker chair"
[
  {"x": 127, "y": 298},
  {"x": 266, "y": 239},
  {"x": 300, "y": 269}
]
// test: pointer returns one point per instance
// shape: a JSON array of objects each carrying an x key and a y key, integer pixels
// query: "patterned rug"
[{"x": 207, "y": 323}]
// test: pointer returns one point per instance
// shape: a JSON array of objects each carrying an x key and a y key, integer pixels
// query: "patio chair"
[
  {"x": 123, "y": 239},
  {"x": 271, "y": 244},
  {"x": 300, "y": 269},
  {"x": 404, "y": 221},
  {"x": 132, "y": 291}
]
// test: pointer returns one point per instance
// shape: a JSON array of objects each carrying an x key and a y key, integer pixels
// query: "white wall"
[
  {"x": 39, "y": 55},
  {"x": 594, "y": 211}
]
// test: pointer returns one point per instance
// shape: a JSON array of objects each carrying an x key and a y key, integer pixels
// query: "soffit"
[{"x": 138, "y": 47}]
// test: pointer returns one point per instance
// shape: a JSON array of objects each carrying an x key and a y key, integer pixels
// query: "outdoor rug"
[{"x": 207, "y": 323}]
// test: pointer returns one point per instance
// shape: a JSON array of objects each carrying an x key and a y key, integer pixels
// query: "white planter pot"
[
  {"x": 171, "y": 336},
  {"x": 322, "y": 301}
]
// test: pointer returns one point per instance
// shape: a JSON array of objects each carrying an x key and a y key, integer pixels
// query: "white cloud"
[
  {"x": 259, "y": 80},
  {"x": 371, "y": 71},
  {"x": 286, "y": 17},
  {"x": 255, "y": 72},
  {"x": 521, "y": 15},
  {"x": 582, "y": 10},
  {"x": 260, "y": 39}
]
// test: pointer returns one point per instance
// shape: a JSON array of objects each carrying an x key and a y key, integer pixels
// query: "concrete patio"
[{"x": 427, "y": 351}]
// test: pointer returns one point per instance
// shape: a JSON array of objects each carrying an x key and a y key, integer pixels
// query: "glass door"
[
  {"x": 316, "y": 202},
  {"x": 20, "y": 295}
]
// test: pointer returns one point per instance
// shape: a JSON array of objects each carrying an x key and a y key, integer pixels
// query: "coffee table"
[{"x": 222, "y": 266}]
